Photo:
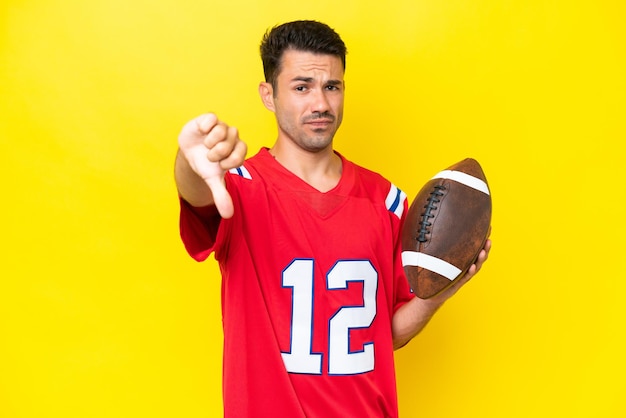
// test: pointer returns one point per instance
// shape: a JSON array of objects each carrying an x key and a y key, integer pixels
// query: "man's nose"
[{"x": 320, "y": 101}]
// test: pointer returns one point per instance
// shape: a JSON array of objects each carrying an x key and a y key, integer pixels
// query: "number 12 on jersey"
[{"x": 341, "y": 361}]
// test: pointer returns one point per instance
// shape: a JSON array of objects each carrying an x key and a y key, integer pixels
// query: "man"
[{"x": 314, "y": 296}]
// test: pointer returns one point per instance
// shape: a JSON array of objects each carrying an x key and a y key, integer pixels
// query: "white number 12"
[{"x": 341, "y": 361}]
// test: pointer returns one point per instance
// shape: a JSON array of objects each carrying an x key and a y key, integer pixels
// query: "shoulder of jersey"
[
  {"x": 393, "y": 196},
  {"x": 241, "y": 171}
]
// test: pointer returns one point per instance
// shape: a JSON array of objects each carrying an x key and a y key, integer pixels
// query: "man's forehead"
[{"x": 295, "y": 61}]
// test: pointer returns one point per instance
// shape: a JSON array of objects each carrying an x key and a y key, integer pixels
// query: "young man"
[{"x": 314, "y": 296}]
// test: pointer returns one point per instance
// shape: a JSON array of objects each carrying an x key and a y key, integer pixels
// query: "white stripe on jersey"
[
  {"x": 395, "y": 201},
  {"x": 241, "y": 171},
  {"x": 437, "y": 265},
  {"x": 463, "y": 178}
]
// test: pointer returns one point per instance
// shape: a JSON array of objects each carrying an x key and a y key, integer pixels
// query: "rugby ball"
[{"x": 446, "y": 228}]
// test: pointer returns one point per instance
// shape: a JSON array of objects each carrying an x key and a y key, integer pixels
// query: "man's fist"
[{"x": 211, "y": 148}]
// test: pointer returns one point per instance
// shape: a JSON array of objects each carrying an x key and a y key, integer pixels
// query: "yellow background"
[{"x": 102, "y": 314}]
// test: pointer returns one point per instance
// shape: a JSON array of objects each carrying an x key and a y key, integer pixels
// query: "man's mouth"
[
  {"x": 320, "y": 122},
  {"x": 320, "y": 118}
]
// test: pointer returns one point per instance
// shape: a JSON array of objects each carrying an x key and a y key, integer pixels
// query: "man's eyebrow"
[
  {"x": 302, "y": 79},
  {"x": 311, "y": 79}
]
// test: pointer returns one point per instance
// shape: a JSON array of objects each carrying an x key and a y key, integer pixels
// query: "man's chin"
[{"x": 318, "y": 144}]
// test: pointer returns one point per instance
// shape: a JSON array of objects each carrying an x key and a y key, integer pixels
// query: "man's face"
[{"x": 308, "y": 99}]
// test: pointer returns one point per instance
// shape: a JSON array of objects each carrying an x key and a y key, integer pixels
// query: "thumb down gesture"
[{"x": 210, "y": 148}]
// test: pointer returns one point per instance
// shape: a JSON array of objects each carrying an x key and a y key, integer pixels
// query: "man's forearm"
[
  {"x": 191, "y": 187},
  {"x": 411, "y": 319}
]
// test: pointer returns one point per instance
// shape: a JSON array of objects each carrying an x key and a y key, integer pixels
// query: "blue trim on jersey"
[
  {"x": 241, "y": 171},
  {"x": 395, "y": 201}
]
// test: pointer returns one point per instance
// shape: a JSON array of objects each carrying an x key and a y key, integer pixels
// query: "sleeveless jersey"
[{"x": 310, "y": 282}]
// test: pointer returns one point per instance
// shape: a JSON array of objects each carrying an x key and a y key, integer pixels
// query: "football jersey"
[{"x": 310, "y": 282}]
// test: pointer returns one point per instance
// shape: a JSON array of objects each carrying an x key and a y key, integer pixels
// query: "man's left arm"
[{"x": 413, "y": 316}]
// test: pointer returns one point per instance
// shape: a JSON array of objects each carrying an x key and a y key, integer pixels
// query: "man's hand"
[
  {"x": 471, "y": 272},
  {"x": 211, "y": 148},
  {"x": 413, "y": 316}
]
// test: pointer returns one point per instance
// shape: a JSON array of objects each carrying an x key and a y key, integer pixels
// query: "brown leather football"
[{"x": 446, "y": 228}]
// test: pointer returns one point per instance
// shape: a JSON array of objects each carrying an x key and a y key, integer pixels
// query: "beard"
[{"x": 306, "y": 135}]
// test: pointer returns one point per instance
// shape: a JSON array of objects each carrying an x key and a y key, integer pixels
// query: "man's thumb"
[{"x": 221, "y": 197}]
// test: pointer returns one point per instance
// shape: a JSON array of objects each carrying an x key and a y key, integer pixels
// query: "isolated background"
[{"x": 102, "y": 314}]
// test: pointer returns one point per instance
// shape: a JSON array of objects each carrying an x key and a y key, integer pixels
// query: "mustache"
[{"x": 319, "y": 115}]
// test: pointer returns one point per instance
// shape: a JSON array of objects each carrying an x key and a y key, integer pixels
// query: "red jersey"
[{"x": 310, "y": 282}]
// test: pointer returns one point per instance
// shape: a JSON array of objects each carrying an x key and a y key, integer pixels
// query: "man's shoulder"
[
  {"x": 250, "y": 167},
  {"x": 367, "y": 175},
  {"x": 375, "y": 187}
]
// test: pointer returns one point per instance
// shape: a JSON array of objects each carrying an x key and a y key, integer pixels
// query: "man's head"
[
  {"x": 300, "y": 35},
  {"x": 304, "y": 64}
]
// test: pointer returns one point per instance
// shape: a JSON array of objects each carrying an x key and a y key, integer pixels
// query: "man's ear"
[{"x": 266, "y": 91}]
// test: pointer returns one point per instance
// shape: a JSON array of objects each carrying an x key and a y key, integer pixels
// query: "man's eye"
[
  {"x": 332, "y": 87},
  {"x": 300, "y": 88}
]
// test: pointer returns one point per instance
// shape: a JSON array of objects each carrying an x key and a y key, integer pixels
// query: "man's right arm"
[
  {"x": 208, "y": 148},
  {"x": 190, "y": 185}
]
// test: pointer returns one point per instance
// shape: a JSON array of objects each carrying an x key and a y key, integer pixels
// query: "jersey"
[{"x": 310, "y": 282}]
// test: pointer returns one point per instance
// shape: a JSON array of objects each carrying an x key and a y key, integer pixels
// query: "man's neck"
[{"x": 321, "y": 169}]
